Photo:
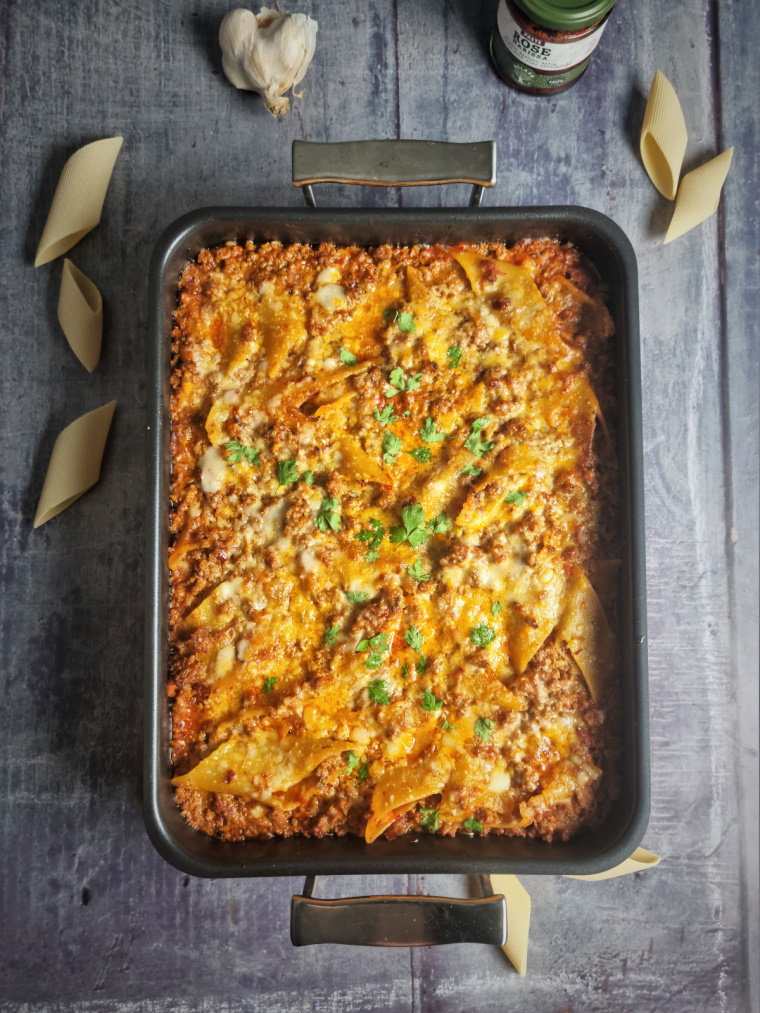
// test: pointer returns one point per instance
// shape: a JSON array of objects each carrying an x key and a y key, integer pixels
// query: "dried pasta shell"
[
  {"x": 640, "y": 861},
  {"x": 78, "y": 199},
  {"x": 518, "y": 919},
  {"x": 80, "y": 314},
  {"x": 75, "y": 462},
  {"x": 699, "y": 195},
  {"x": 663, "y": 136}
]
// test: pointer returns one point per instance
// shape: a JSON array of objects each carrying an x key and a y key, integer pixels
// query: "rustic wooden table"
[{"x": 92, "y": 918}]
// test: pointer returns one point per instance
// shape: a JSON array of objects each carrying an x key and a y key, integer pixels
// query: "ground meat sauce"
[{"x": 394, "y": 540}]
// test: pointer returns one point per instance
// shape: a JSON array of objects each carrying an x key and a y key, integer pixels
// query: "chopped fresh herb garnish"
[
  {"x": 307, "y": 477},
  {"x": 405, "y": 321},
  {"x": 405, "y": 670},
  {"x": 407, "y": 414},
  {"x": 415, "y": 570},
  {"x": 400, "y": 381},
  {"x": 474, "y": 443},
  {"x": 496, "y": 608},
  {"x": 385, "y": 415},
  {"x": 455, "y": 354},
  {"x": 352, "y": 760},
  {"x": 331, "y": 635},
  {"x": 516, "y": 497},
  {"x": 475, "y": 825},
  {"x": 372, "y": 536},
  {"x": 374, "y": 659},
  {"x": 327, "y": 516},
  {"x": 392, "y": 447},
  {"x": 429, "y": 432},
  {"x": 378, "y": 642},
  {"x": 431, "y": 819},
  {"x": 482, "y": 635},
  {"x": 363, "y": 772},
  {"x": 483, "y": 728},
  {"x": 236, "y": 452},
  {"x": 471, "y": 469},
  {"x": 378, "y": 691},
  {"x": 346, "y": 357},
  {"x": 287, "y": 472},
  {"x": 356, "y": 597},
  {"x": 420, "y": 454},
  {"x": 421, "y": 666},
  {"x": 411, "y": 530},
  {"x": 269, "y": 684},
  {"x": 439, "y": 524},
  {"x": 429, "y": 702},
  {"x": 413, "y": 637},
  {"x": 377, "y": 646},
  {"x": 447, "y": 724}
]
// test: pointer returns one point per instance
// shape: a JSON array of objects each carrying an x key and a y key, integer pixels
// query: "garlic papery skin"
[{"x": 268, "y": 52}]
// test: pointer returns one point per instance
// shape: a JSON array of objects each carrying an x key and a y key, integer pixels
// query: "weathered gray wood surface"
[{"x": 91, "y": 918}]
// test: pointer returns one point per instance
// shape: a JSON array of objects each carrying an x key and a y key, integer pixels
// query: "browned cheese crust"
[{"x": 394, "y": 541}]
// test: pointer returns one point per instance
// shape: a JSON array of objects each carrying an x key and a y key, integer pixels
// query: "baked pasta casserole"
[{"x": 393, "y": 541}]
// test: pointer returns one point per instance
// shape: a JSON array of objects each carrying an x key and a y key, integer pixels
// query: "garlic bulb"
[{"x": 268, "y": 52}]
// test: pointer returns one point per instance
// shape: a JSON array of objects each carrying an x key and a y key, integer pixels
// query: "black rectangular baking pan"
[{"x": 607, "y": 247}]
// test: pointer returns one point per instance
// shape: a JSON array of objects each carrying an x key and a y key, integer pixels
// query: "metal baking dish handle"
[
  {"x": 394, "y": 163},
  {"x": 398, "y": 921}
]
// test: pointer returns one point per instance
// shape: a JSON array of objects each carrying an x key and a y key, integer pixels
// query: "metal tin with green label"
[{"x": 544, "y": 46}]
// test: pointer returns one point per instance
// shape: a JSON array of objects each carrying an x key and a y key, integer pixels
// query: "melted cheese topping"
[{"x": 399, "y": 534}]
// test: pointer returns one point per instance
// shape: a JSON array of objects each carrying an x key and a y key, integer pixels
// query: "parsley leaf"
[
  {"x": 363, "y": 772},
  {"x": 516, "y": 497},
  {"x": 378, "y": 691},
  {"x": 429, "y": 433},
  {"x": 421, "y": 666},
  {"x": 455, "y": 354},
  {"x": 405, "y": 670},
  {"x": 431, "y": 819},
  {"x": 356, "y": 597},
  {"x": 269, "y": 684},
  {"x": 237, "y": 452},
  {"x": 413, "y": 637},
  {"x": 496, "y": 608},
  {"x": 392, "y": 447},
  {"x": 327, "y": 516},
  {"x": 352, "y": 760},
  {"x": 415, "y": 570},
  {"x": 471, "y": 469},
  {"x": 374, "y": 659},
  {"x": 287, "y": 472},
  {"x": 385, "y": 415},
  {"x": 420, "y": 454},
  {"x": 400, "y": 381},
  {"x": 307, "y": 477},
  {"x": 474, "y": 442},
  {"x": 346, "y": 357},
  {"x": 405, "y": 321},
  {"x": 475, "y": 825},
  {"x": 439, "y": 524},
  {"x": 378, "y": 642},
  {"x": 331, "y": 635},
  {"x": 483, "y": 728},
  {"x": 429, "y": 702},
  {"x": 372, "y": 536},
  {"x": 482, "y": 635},
  {"x": 411, "y": 530},
  {"x": 447, "y": 724}
]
